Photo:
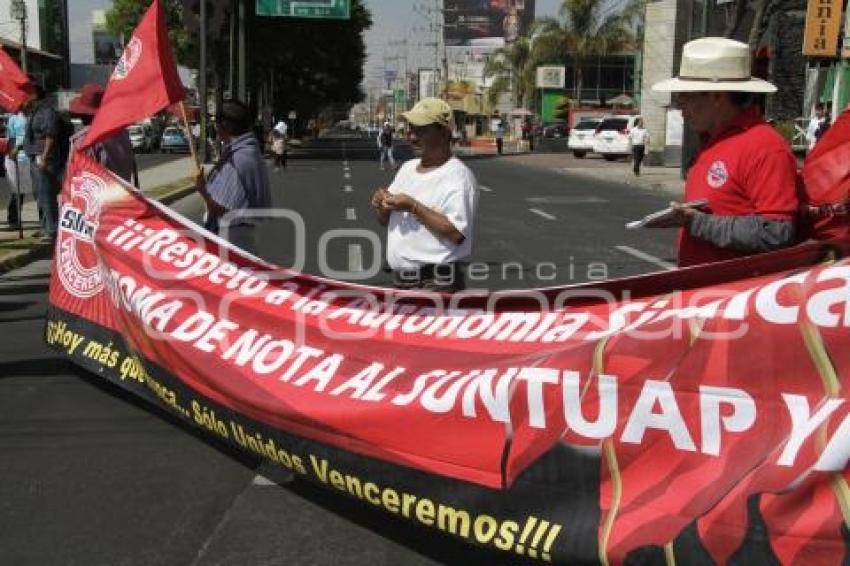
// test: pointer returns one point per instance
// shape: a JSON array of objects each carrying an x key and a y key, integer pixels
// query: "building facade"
[{"x": 47, "y": 43}]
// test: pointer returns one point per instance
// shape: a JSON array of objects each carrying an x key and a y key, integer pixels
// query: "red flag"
[
  {"x": 15, "y": 85},
  {"x": 9, "y": 70},
  {"x": 12, "y": 96},
  {"x": 144, "y": 82}
]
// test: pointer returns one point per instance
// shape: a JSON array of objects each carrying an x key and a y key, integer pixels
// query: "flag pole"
[
  {"x": 191, "y": 138},
  {"x": 20, "y": 202}
]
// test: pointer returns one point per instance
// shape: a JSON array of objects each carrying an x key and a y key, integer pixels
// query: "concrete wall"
[{"x": 666, "y": 30}]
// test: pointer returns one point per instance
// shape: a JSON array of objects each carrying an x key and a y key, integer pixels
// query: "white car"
[
  {"x": 580, "y": 141},
  {"x": 612, "y": 136}
]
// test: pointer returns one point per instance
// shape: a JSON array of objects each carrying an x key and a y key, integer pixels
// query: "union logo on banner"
[
  {"x": 78, "y": 263},
  {"x": 132, "y": 54}
]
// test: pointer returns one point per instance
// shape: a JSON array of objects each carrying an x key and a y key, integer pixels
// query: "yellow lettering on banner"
[
  {"x": 391, "y": 500},
  {"x": 425, "y": 512},
  {"x": 538, "y": 536},
  {"x": 371, "y": 493},
  {"x": 337, "y": 480},
  {"x": 206, "y": 418}
]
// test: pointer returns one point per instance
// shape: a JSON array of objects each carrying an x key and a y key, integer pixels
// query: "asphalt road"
[{"x": 90, "y": 475}]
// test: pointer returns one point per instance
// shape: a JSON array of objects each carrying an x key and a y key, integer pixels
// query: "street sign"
[{"x": 322, "y": 9}]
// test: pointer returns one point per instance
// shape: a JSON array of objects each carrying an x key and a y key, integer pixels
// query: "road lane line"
[
  {"x": 347, "y": 175},
  {"x": 347, "y": 188},
  {"x": 485, "y": 189},
  {"x": 355, "y": 257},
  {"x": 646, "y": 257},
  {"x": 545, "y": 215},
  {"x": 350, "y": 214}
]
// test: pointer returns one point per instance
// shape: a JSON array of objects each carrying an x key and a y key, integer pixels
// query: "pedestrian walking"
[
  {"x": 44, "y": 143},
  {"x": 744, "y": 169},
  {"x": 639, "y": 138},
  {"x": 237, "y": 188},
  {"x": 115, "y": 152},
  {"x": 385, "y": 144},
  {"x": 278, "y": 141},
  {"x": 815, "y": 126},
  {"x": 500, "y": 137},
  {"x": 17, "y": 168},
  {"x": 429, "y": 209}
]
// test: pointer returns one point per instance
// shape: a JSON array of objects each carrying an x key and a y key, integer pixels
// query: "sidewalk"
[{"x": 165, "y": 182}]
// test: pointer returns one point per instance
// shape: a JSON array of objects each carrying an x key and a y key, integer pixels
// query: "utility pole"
[{"x": 18, "y": 12}]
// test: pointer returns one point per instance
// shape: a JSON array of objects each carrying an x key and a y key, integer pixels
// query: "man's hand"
[
  {"x": 41, "y": 162},
  {"x": 200, "y": 182},
  {"x": 401, "y": 202},
  {"x": 681, "y": 216},
  {"x": 378, "y": 197}
]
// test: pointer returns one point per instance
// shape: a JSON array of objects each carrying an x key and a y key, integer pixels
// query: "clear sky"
[{"x": 393, "y": 21}]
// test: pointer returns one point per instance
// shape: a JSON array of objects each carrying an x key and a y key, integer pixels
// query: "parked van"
[{"x": 611, "y": 139}]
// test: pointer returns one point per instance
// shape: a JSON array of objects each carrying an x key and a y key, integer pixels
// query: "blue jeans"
[
  {"x": 387, "y": 153},
  {"x": 45, "y": 184}
]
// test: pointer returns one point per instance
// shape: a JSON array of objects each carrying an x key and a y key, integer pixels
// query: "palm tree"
[
  {"x": 511, "y": 70},
  {"x": 586, "y": 28}
]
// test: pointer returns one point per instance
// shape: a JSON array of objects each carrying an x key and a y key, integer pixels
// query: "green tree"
[
  {"x": 125, "y": 15},
  {"x": 311, "y": 65},
  {"x": 586, "y": 29},
  {"x": 512, "y": 70}
]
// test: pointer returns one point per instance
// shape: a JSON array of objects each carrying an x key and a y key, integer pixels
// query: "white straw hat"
[{"x": 715, "y": 64}]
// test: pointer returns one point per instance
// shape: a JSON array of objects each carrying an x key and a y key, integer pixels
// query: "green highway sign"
[{"x": 326, "y": 9}]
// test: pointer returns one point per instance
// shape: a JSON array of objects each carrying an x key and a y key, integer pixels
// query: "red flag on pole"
[
  {"x": 144, "y": 81},
  {"x": 15, "y": 85},
  {"x": 9, "y": 70}
]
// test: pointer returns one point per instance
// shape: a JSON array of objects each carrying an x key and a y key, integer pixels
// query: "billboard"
[
  {"x": 427, "y": 83},
  {"x": 551, "y": 77},
  {"x": 491, "y": 23}
]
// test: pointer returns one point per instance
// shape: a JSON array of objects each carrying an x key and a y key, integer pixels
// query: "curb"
[
  {"x": 19, "y": 259},
  {"x": 41, "y": 250}
]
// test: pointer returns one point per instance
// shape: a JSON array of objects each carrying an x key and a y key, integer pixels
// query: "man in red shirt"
[{"x": 744, "y": 170}]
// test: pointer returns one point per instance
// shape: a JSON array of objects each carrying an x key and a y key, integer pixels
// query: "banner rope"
[{"x": 832, "y": 386}]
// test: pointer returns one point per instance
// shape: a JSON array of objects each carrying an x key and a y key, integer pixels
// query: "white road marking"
[
  {"x": 347, "y": 188},
  {"x": 347, "y": 175},
  {"x": 355, "y": 257},
  {"x": 646, "y": 257},
  {"x": 350, "y": 214},
  {"x": 545, "y": 215},
  {"x": 566, "y": 200},
  {"x": 263, "y": 481},
  {"x": 485, "y": 189}
]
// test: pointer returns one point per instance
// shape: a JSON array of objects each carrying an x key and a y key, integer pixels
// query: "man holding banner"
[
  {"x": 745, "y": 169},
  {"x": 239, "y": 181}
]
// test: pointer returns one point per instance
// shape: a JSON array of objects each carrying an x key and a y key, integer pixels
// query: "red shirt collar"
[{"x": 744, "y": 121}]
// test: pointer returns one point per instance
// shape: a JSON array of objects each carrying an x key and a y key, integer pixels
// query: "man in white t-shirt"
[
  {"x": 639, "y": 138},
  {"x": 430, "y": 206}
]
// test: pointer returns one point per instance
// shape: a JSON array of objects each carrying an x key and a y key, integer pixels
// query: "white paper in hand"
[{"x": 660, "y": 216}]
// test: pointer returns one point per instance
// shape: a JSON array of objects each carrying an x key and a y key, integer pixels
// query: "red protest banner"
[
  {"x": 144, "y": 81},
  {"x": 566, "y": 425}
]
